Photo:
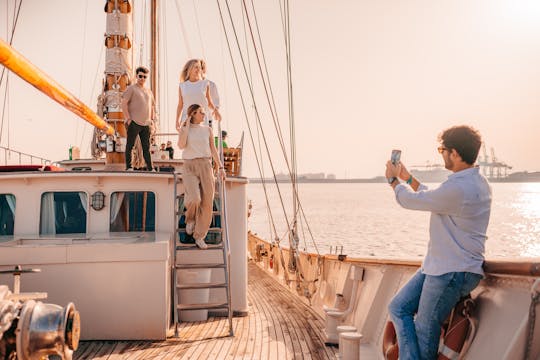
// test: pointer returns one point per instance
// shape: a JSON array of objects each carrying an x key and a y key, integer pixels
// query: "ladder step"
[
  {"x": 195, "y": 247},
  {"x": 200, "y": 266},
  {"x": 202, "y": 306},
  {"x": 211, "y": 230},
  {"x": 201, "y": 286}
]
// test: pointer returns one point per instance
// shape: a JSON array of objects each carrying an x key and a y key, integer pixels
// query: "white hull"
[{"x": 503, "y": 299}]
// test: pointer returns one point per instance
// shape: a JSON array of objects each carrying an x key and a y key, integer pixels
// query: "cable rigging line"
[
  {"x": 274, "y": 116},
  {"x": 165, "y": 61},
  {"x": 183, "y": 29},
  {"x": 93, "y": 96},
  {"x": 245, "y": 110},
  {"x": 296, "y": 262},
  {"x": 199, "y": 28},
  {"x": 257, "y": 113},
  {"x": 78, "y": 123},
  {"x": 6, "y": 94},
  {"x": 16, "y": 19},
  {"x": 142, "y": 34}
]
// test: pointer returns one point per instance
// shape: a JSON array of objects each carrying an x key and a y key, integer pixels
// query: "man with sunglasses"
[
  {"x": 460, "y": 209},
  {"x": 138, "y": 107}
]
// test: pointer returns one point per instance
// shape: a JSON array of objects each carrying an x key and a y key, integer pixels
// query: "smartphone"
[{"x": 395, "y": 157}]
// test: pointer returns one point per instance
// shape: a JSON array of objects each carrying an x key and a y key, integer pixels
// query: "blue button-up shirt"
[{"x": 460, "y": 209}]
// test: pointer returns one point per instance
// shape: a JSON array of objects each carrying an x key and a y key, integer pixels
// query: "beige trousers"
[{"x": 199, "y": 185}]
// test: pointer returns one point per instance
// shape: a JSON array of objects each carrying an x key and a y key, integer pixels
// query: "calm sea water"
[{"x": 366, "y": 220}]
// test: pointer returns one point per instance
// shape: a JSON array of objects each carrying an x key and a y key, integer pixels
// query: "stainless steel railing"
[{"x": 13, "y": 157}]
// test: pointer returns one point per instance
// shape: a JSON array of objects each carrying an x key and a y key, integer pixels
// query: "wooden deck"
[{"x": 279, "y": 326}]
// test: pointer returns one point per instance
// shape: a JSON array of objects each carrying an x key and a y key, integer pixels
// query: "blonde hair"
[
  {"x": 203, "y": 68},
  {"x": 184, "y": 75}
]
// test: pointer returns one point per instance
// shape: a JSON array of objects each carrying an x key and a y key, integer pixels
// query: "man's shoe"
[
  {"x": 201, "y": 244},
  {"x": 129, "y": 169},
  {"x": 189, "y": 228}
]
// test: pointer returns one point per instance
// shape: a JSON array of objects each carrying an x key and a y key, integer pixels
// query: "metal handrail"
[
  {"x": 225, "y": 227},
  {"x": 20, "y": 154}
]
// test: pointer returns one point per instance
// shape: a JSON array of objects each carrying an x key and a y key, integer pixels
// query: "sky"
[{"x": 367, "y": 76}]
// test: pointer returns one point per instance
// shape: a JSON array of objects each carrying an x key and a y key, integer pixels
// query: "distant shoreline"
[
  {"x": 322, "y": 181},
  {"x": 377, "y": 180}
]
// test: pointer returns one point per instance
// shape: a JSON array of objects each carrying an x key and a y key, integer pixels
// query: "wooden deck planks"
[{"x": 279, "y": 326}]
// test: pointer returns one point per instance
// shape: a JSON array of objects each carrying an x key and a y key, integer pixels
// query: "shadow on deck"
[{"x": 279, "y": 326}]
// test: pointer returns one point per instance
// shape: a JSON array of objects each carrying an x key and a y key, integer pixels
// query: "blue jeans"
[{"x": 431, "y": 298}]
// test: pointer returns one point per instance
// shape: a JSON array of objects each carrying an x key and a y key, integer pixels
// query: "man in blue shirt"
[{"x": 460, "y": 209}]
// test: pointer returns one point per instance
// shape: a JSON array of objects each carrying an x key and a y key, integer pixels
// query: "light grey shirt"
[{"x": 460, "y": 209}]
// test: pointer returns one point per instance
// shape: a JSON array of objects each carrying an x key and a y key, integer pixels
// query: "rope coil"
[{"x": 9, "y": 311}]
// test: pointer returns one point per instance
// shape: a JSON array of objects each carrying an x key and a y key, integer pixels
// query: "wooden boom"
[{"x": 37, "y": 78}]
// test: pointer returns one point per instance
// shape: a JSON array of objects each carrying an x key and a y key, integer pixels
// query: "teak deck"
[{"x": 279, "y": 326}]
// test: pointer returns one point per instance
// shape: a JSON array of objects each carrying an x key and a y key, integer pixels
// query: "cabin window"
[
  {"x": 7, "y": 214},
  {"x": 133, "y": 211},
  {"x": 63, "y": 213}
]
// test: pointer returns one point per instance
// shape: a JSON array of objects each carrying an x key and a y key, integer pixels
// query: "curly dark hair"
[
  {"x": 464, "y": 139},
  {"x": 142, "y": 69}
]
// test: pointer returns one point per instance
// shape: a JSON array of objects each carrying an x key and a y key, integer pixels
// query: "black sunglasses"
[{"x": 141, "y": 76}]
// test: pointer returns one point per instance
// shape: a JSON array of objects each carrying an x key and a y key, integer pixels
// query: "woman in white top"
[
  {"x": 214, "y": 94},
  {"x": 194, "y": 89},
  {"x": 197, "y": 141}
]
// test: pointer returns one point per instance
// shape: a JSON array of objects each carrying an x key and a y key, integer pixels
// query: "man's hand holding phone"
[{"x": 393, "y": 167}]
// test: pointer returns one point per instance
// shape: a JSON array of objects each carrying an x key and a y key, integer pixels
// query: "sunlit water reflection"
[{"x": 367, "y": 221}]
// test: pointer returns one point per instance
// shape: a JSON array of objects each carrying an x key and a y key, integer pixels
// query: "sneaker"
[
  {"x": 189, "y": 228},
  {"x": 129, "y": 169},
  {"x": 201, "y": 244}
]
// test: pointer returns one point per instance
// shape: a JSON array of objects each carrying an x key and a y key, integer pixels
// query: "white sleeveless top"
[
  {"x": 198, "y": 142},
  {"x": 194, "y": 93}
]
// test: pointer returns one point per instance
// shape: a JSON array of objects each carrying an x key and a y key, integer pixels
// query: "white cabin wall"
[{"x": 29, "y": 188}]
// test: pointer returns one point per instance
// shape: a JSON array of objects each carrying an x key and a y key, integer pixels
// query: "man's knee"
[{"x": 395, "y": 308}]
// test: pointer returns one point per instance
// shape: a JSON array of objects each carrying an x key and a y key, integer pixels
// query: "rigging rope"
[
  {"x": 272, "y": 105},
  {"x": 91, "y": 129},
  {"x": 78, "y": 123},
  {"x": 6, "y": 95},
  {"x": 16, "y": 19},
  {"x": 247, "y": 119},
  {"x": 165, "y": 61},
  {"x": 199, "y": 28},
  {"x": 257, "y": 113},
  {"x": 4, "y": 109},
  {"x": 143, "y": 34},
  {"x": 183, "y": 28},
  {"x": 293, "y": 260}
]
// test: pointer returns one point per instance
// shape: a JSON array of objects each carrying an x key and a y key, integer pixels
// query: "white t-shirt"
[
  {"x": 194, "y": 93},
  {"x": 198, "y": 142}
]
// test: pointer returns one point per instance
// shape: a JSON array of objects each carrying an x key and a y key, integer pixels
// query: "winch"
[{"x": 33, "y": 330}]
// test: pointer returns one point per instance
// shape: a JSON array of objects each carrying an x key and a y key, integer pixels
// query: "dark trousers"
[{"x": 143, "y": 132}]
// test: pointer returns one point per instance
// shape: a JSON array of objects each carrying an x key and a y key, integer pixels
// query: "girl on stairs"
[{"x": 197, "y": 141}]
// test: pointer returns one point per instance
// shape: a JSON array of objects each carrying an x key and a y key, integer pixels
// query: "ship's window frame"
[
  {"x": 133, "y": 222},
  {"x": 65, "y": 220},
  {"x": 7, "y": 218}
]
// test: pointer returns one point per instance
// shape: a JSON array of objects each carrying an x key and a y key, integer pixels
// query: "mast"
[{"x": 118, "y": 75}]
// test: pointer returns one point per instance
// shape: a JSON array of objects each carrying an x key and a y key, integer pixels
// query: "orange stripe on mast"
[{"x": 37, "y": 78}]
